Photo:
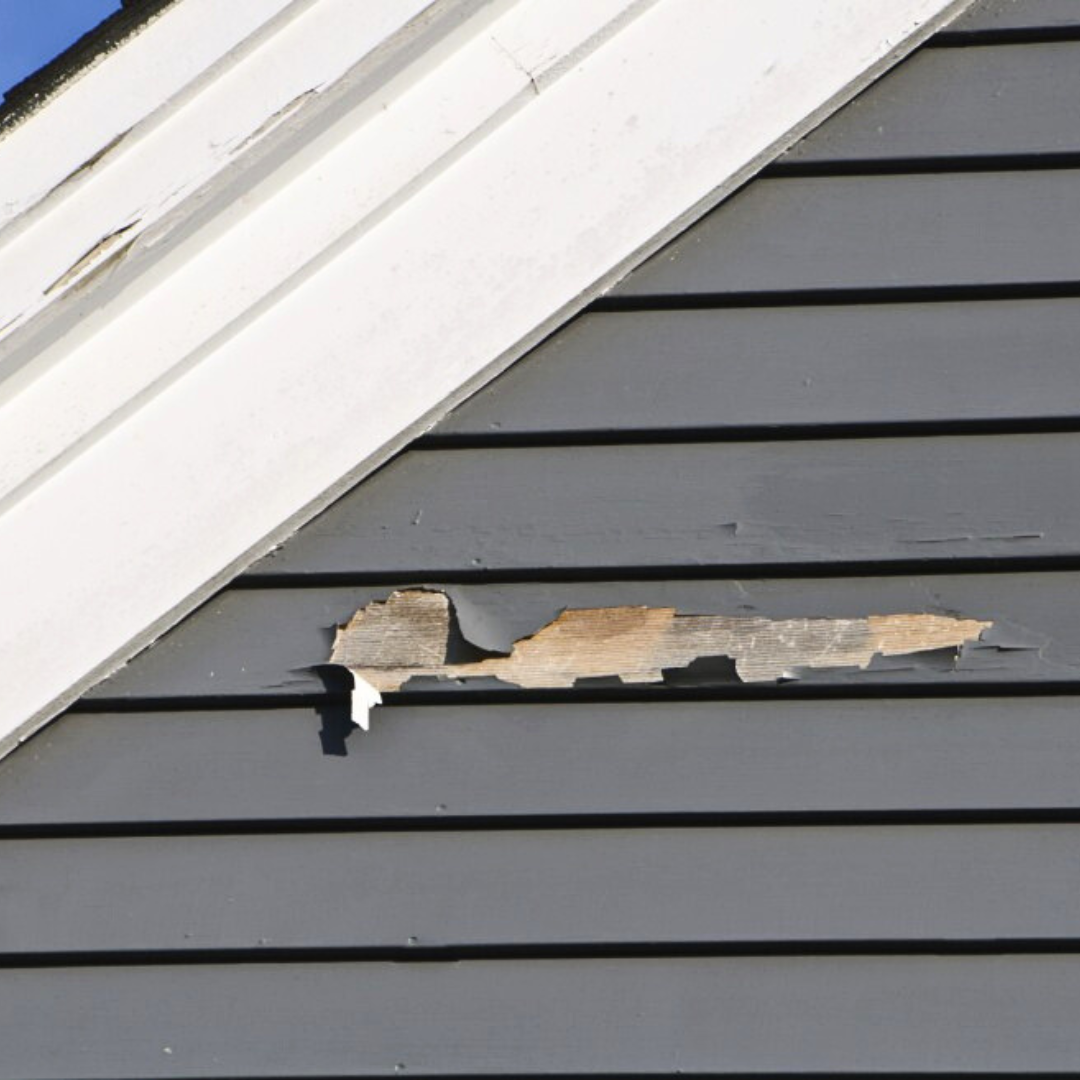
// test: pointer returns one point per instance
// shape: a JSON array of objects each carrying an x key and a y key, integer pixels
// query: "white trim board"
[
  {"x": 158, "y": 62},
  {"x": 292, "y": 328}
]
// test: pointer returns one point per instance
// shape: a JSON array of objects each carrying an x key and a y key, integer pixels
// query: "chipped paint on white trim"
[
  {"x": 121, "y": 90},
  {"x": 153, "y": 170},
  {"x": 288, "y": 340}
]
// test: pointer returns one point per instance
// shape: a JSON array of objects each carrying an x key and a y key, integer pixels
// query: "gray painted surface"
[
  {"x": 789, "y": 368},
  {"x": 849, "y": 232},
  {"x": 1019, "y": 15},
  {"x": 956, "y": 102},
  {"x": 511, "y": 761},
  {"x": 895, "y": 1014},
  {"x": 714, "y": 504},
  {"x": 625, "y": 886},
  {"x": 208, "y": 815},
  {"x": 270, "y": 641}
]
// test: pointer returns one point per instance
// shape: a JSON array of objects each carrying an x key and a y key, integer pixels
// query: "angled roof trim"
[{"x": 235, "y": 351}]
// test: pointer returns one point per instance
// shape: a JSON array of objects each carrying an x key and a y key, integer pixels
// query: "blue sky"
[{"x": 32, "y": 32}]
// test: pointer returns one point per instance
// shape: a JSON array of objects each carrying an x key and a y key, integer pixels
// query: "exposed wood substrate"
[
  {"x": 409, "y": 635},
  {"x": 273, "y": 642}
]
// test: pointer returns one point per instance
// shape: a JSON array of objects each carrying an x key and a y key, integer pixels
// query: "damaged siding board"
[
  {"x": 659, "y": 1016},
  {"x": 788, "y": 368},
  {"x": 539, "y": 888},
  {"x": 939, "y": 229},
  {"x": 722, "y": 505},
  {"x": 389, "y": 642},
  {"x": 468, "y": 760},
  {"x": 275, "y": 642},
  {"x": 943, "y": 103}
]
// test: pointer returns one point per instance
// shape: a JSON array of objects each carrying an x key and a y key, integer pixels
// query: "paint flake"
[{"x": 408, "y": 635}]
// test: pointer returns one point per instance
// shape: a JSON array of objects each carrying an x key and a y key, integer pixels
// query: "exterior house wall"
[{"x": 850, "y": 390}]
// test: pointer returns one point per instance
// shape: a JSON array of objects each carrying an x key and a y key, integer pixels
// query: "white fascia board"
[
  {"x": 118, "y": 92},
  {"x": 204, "y": 129},
  {"x": 258, "y": 361}
]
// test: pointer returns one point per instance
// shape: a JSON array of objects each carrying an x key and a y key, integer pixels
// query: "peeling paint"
[
  {"x": 410, "y": 634},
  {"x": 90, "y": 162},
  {"x": 275, "y": 120},
  {"x": 104, "y": 252}
]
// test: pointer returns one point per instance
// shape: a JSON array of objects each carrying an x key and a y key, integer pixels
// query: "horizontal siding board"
[
  {"x": 501, "y": 761},
  {"x": 534, "y": 889},
  {"x": 1018, "y": 15},
  {"x": 942, "y": 103},
  {"x": 724, "y": 505},
  {"x": 272, "y": 641},
  {"x": 862, "y": 232},
  {"x": 812, "y": 1015},
  {"x": 795, "y": 367}
]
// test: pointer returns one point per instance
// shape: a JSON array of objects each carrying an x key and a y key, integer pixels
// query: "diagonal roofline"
[{"x": 301, "y": 257}]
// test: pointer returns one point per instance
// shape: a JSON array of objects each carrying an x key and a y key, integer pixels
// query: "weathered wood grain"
[
  {"x": 942, "y": 103},
  {"x": 789, "y": 368},
  {"x": 863, "y": 232},
  {"x": 724, "y": 505},
  {"x": 716, "y": 886},
  {"x": 408, "y": 636},
  {"x": 275, "y": 641},
  {"x": 772, "y": 1015},
  {"x": 499, "y": 761}
]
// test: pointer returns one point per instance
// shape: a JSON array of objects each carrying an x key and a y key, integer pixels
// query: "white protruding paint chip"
[{"x": 364, "y": 698}]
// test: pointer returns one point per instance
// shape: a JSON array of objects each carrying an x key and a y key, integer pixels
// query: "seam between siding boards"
[
  {"x": 786, "y": 432},
  {"x": 431, "y": 578},
  {"x": 844, "y": 295},
  {"x": 1025, "y": 35},
  {"x": 757, "y": 819},
  {"x": 496, "y": 953},
  {"x": 659, "y": 695},
  {"x": 919, "y": 166}
]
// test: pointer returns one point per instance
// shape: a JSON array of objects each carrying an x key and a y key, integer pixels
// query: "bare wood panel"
[
  {"x": 896, "y": 1014},
  {"x": 574, "y": 759},
  {"x": 541, "y": 888},
  {"x": 1018, "y": 15},
  {"x": 789, "y": 367},
  {"x": 998, "y": 99},
  {"x": 827, "y": 501},
  {"x": 273, "y": 641},
  {"x": 876, "y": 232}
]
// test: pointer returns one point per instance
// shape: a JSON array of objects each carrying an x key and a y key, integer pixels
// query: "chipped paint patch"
[
  {"x": 408, "y": 635},
  {"x": 105, "y": 251},
  {"x": 275, "y": 120}
]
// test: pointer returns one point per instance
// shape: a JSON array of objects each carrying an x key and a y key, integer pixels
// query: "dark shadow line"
[
  {"x": 837, "y": 296},
  {"x": 923, "y": 165},
  {"x": 1025, "y": 35},
  {"x": 650, "y": 1074},
  {"x": 736, "y": 433},
  {"x": 738, "y": 692},
  {"x": 524, "y": 822},
  {"x": 502, "y": 953},
  {"x": 553, "y": 575}
]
